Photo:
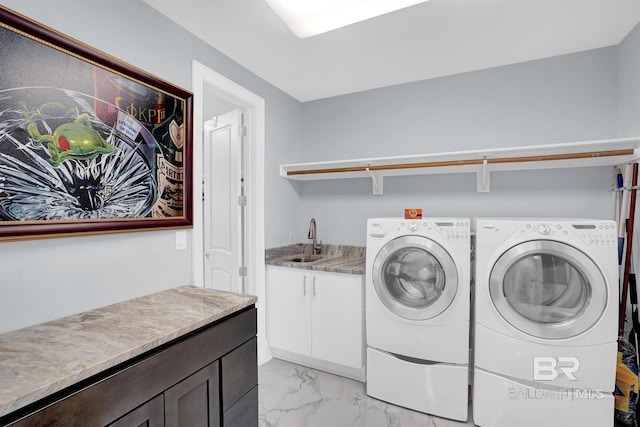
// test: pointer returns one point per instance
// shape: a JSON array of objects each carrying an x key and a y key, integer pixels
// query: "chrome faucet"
[{"x": 317, "y": 248}]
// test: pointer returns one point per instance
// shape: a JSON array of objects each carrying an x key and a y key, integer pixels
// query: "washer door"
[
  {"x": 414, "y": 277},
  {"x": 548, "y": 289}
]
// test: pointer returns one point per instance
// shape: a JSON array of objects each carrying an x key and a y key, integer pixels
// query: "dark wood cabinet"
[
  {"x": 151, "y": 414},
  {"x": 243, "y": 413},
  {"x": 183, "y": 383},
  {"x": 239, "y": 386},
  {"x": 195, "y": 401}
]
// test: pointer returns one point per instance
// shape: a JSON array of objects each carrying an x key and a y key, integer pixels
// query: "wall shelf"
[{"x": 606, "y": 152}]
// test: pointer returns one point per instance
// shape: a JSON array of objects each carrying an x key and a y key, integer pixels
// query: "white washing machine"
[
  {"x": 545, "y": 329},
  {"x": 417, "y": 313}
]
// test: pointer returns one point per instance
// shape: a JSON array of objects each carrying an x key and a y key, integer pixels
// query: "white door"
[{"x": 223, "y": 207}]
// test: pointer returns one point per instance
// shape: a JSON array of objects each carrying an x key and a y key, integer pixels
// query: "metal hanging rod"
[{"x": 633, "y": 187}]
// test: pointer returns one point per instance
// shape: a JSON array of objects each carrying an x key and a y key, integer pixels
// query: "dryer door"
[
  {"x": 548, "y": 289},
  {"x": 414, "y": 277}
]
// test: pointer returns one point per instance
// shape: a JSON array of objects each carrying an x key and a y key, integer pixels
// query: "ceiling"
[{"x": 428, "y": 40}]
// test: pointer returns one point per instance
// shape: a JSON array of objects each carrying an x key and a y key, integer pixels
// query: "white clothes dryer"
[
  {"x": 417, "y": 313},
  {"x": 545, "y": 328}
]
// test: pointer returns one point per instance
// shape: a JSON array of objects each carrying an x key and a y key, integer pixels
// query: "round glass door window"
[
  {"x": 548, "y": 289},
  {"x": 414, "y": 277}
]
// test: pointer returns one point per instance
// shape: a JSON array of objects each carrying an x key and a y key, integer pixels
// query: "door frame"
[{"x": 253, "y": 107}]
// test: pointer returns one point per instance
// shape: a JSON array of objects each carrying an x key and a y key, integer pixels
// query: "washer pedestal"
[{"x": 434, "y": 388}]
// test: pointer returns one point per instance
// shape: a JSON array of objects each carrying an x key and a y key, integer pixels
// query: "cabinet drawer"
[
  {"x": 245, "y": 411},
  {"x": 239, "y": 372}
]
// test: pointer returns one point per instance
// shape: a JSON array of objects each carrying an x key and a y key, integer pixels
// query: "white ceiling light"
[{"x": 311, "y": 17}]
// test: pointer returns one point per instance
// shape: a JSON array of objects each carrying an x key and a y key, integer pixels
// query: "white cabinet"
[
  {"x": 289, "y": 314},
  {"x": 317, "y": 318},
  {"x": 336, "y": 313}
]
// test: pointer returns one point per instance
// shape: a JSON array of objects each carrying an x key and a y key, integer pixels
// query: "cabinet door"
[
  {"x": 195, "y": 401},
  {"x": 151, "y": 414},
  {"x": 338, "y": 318},
  {"x": 289, "y": 314},
  {"x": 239, "y": 375},
  {"x": 239, "y": 372}
]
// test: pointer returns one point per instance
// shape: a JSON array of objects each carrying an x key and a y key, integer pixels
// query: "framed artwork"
[{"x": 88, "y": 144}]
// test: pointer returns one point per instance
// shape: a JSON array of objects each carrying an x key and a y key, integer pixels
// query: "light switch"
[{"x": 181, "y": 240}]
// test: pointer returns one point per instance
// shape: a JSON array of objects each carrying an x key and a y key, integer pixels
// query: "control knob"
[{"x": 543, "y": 229}]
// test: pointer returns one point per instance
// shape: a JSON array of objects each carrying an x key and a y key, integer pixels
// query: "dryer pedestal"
[
  {"x": 435, "y": 388},
  {"x": 502, "y": 402}
]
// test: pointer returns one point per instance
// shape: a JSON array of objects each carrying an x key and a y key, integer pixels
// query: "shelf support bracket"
[
  {"x": 376, "y": 182},
  {"x": 483, "y": 178}
]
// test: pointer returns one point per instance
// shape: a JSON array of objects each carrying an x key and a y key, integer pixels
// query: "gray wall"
[
  {"x": 629, "y": 84},
  {"x": 46, "y": 279},
  {"x": 562, "y": 99}
]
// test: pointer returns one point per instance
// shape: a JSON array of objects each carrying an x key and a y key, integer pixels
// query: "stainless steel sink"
[{"x": 306, "y": 258}]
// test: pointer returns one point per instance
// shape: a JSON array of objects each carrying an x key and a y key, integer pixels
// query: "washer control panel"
[
  {"x": 455, "y": 230},
  {"x": 595, "y": 234}
]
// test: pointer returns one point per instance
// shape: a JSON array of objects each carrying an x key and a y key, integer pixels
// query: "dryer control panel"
[
  {"x": 601, "y": 235},
  {"x": 594, "y": 234}
]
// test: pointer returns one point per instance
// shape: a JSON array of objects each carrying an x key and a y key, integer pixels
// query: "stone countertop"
[
  {"x": 40, "y": 360},
  {"x": 336, "y": 258}
]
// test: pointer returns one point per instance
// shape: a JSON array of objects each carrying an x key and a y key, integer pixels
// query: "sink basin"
[{"x": 306, "y": 258}]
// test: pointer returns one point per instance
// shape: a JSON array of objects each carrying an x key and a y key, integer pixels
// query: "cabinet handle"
[
  {"x": 304, "y": 285},
  {"x": 313, "y": 285}
]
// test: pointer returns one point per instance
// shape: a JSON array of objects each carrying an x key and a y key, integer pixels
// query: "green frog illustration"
[{"x": 74, "y": 140}]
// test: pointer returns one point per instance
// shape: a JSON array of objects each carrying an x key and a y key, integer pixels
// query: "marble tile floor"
[{"x": 292, "y": 395}]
